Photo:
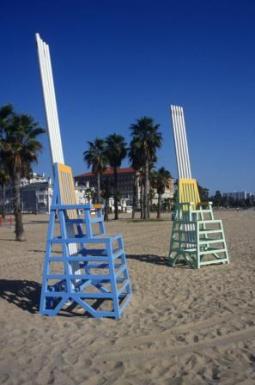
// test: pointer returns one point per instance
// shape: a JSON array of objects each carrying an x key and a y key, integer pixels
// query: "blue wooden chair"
[{"x": 89, "y": 268}]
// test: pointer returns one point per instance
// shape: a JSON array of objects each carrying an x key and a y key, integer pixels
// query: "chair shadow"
[
  {"x": 156, "y": 260},
  {"x": 22, "y": 293},
  {"x": 149, "y": 258},
  {"x": 26, "y": 295}
]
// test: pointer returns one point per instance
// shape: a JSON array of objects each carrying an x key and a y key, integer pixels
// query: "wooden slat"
[
  {"x": 188, "y": 191},
  {"x": 66, "y": 188}
]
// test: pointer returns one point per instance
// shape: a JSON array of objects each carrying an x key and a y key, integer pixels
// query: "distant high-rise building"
[{"x": 236, "y": 195}]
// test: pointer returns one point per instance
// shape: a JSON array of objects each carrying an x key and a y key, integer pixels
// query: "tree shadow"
[
  {"x": 39, "y": 222},
  {"x": 22, "y": 293},
  {"x": 149, "y": 258}
]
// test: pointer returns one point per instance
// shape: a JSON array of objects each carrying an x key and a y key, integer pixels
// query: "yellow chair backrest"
[
  {"x": 188, "y": 191},
  {"x": 66, "y": 188}
]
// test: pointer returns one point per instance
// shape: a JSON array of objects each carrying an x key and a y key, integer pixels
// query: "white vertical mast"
[
  {"x": 49, "y": 101},
  {"x": 180, "y": 141}
]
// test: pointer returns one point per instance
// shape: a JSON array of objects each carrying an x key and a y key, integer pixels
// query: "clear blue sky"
[{"x": 115, "y": 61}]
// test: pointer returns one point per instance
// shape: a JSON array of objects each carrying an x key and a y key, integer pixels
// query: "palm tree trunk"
[
  {"x": 98, "y": 188},
  {"x": 4, "y": 197},
  {"x": 134, "y": 195},
  {"x": 146, "y": 190},
  {"x": 149, "y": 199},
  {"x": 116, "y": 212},
  {"x": 142, "y": 198},
  {"x": 106, "y": 210},
  {"x": 159, "y": 206},
  {"x": 19, "y": 229},
  {"x": 3, "y": 201}
]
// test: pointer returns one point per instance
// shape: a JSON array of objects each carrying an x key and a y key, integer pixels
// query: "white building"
[{"x": 236, "y": 195}]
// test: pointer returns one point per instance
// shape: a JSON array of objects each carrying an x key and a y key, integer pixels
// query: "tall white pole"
[
  {"x": 54, "y": 107},
  {"x": 49, "y": 101},
  {"x": 181, "y": 142},
  {"x": 51, "y": 112},
  {"x": 41, "y": 59},
  {"x": 177, "y": 151},
  {"x": 182, "y": 138},
  {"x": 54, "y": 136},
  {"x": 181, "y": 145},
  {"x": 178, "y": 139},
  {"x": 51, "y": 128},
  {"x": 186, "y": 144}
]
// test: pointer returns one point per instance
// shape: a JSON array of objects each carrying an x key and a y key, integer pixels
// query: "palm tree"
[
  {"x": 6, "y": 114},
  {"x": 4, "y": 180},
  {"x": 19, "y": 147},
  {"x": 96, "y": 157},
  {"x": 106, "y": 194},
  {"x": 137, "y": 161},
  {"x": 203, "y": 193},
  {"x": 146, "y": 139},
  {"x": 217, "y": 200},
  {"x": 160, "y": 180},
  {"x": 116, "y": 151}
]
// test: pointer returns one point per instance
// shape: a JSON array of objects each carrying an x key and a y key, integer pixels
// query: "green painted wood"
[{"x": 190, "y": 243}]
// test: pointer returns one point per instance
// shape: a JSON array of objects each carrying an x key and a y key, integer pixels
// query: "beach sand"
[{"x": 183, "y": 326}]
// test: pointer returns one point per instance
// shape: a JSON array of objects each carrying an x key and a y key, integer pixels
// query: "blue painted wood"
[{"x": 96, "y": 272}]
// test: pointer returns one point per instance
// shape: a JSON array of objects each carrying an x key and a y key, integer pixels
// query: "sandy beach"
[{"x": 183, "y": 326}]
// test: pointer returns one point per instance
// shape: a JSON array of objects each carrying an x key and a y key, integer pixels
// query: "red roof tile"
[{"x": 109, "y": 171}]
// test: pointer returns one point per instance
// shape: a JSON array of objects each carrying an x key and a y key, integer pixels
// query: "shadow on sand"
[
  {"x": 157, "y": 260},
  {"x": 38, "y": 222},
  {"x": 24, "y": 294},
  {"x": 149, "y": 258}
]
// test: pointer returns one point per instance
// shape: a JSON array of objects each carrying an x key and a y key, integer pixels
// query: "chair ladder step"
[
  {"x": 210, "y": 231},
  {"x": 210, "y": 240}
]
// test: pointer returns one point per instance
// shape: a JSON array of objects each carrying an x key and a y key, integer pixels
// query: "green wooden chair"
[{"x": 197, "y": 238}]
